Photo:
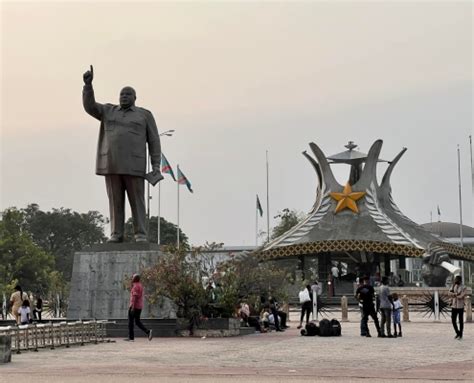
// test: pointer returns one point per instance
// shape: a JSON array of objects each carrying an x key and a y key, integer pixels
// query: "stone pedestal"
[{"x": 98, "y": 286}]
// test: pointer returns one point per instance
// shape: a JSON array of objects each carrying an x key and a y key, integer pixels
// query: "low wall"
[
  {"x": 211, "y": 328},
  {"x": 5, "y": 348}
]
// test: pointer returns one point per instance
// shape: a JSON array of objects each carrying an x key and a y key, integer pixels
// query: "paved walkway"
[{"x": 427, "y": 352}]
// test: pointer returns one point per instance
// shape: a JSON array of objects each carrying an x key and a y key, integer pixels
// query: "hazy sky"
[{"x": 235, "y": 80}]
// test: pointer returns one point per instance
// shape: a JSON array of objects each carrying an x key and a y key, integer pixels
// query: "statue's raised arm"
[
  {"x": 88, "y": 98},
  {"x": 88, "y": 76}
]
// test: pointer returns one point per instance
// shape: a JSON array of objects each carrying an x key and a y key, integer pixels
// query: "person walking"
[
  {"x": 16, "y": 300},
  {"x": 457, "y": 292},
  {"x": 365, "y": 295},
  {"x": 135, "y": 309},
  {"x": 385, "y": 308}
]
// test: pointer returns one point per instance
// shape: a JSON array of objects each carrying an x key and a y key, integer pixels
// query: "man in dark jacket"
[
  {"x": 365, "y": 295},
  {"x": 125, "y": 131}
]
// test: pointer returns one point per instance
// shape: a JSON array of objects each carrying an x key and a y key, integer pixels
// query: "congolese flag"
[
  {"x": 166, "y": 167},
  {"x": 182, "y": 180},
  {"x": 259, "y": 206}
]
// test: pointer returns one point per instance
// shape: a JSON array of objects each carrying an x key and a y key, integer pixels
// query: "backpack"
[
  {"x": 335, "y": 327},
  {"x": 311, "y": 329},
  {"x": 324, "y": 327}
]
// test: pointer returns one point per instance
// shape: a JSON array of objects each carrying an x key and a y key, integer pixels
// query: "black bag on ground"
[
  {"x": 311, "y": 329},
  {"x": 324, "y": 327},
  {"x": 335, "y": 327}
]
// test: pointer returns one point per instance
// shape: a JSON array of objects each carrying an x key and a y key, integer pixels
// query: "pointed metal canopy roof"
[
  {"x": 349, "y": 156},
  {"x": 375, "y": 224}
]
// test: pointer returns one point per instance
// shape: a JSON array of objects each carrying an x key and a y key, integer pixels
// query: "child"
[
  {"x": 24, "y": 312},
  {"x": 396, "y": 315}
]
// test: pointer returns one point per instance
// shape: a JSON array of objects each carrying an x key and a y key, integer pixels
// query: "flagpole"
[
  {"x": 460, "y": 197},
  {"x": 159, "y": 214},
  {"x": 268, "y": 203},
  {"x": 177, "y": 232},
  {"x": 472, "y": 169},
  {"x": 256, "y": 223}
]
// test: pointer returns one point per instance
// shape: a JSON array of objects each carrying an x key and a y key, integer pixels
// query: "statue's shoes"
[
  {"x": 115, "y": 239},
  {"x": 141, "y": 238}
]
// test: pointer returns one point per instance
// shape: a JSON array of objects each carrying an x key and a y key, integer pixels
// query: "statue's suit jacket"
[{"x": 123, "y": 136}]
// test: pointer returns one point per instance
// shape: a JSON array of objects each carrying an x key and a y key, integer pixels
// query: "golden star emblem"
[{"x": 347, "y": 199}]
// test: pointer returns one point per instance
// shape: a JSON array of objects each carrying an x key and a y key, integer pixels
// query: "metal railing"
[{"x": 53, "y": 335}]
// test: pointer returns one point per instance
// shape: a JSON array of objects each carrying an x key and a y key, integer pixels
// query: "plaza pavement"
[{"x": 427, "y": 352}]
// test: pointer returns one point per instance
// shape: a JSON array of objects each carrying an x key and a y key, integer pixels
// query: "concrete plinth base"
[
  {"x": 98, "y": 286},
  {"x": 5, "y": 348}
]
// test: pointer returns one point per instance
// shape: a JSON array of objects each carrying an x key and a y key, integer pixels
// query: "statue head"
[{"x": 127, "y": 97}]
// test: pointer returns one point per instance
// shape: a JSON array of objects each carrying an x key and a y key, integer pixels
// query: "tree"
[
  {"x": 167, "y": 232},
  {"x": 185, "y": 278},
  {"x": 21, "y": 259},
  {"x": 63, "y": 232},
  {"x": 288, "y": 219}
]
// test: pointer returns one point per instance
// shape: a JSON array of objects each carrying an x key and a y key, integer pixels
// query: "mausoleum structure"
[{"x": 360, "y": 224}]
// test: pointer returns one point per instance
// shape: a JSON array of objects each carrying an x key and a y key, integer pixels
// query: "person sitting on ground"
[
  {"x": 282, "y": 315},
  {"x": 24, "y": 312},
  {"x": 264, "y": 318},
  {"x": 274, "y": 310},
  {"x": 244, "y": 313}
]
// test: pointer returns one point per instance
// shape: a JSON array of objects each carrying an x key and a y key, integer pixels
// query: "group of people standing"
[
  {"x": 22, "y": 306},
  {"x": 390, "y": 307}
]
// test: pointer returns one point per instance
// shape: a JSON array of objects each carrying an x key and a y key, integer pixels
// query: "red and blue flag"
[
  {"x": 166, "y": 167},
  {"x": 182, "y": 180}
]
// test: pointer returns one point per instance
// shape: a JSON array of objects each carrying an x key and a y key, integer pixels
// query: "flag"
[
  {"x": 182, "y": 180},
  {"x": 439, "y": 212},
  {"x": 166, "y": 167},
  {"x": 259, "y": 207}
]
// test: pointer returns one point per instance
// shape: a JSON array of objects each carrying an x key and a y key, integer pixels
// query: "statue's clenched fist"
[{"x": 89, "y": 76}]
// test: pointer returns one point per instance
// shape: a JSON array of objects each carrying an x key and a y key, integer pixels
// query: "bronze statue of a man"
[{"x": 125, "y": 130}]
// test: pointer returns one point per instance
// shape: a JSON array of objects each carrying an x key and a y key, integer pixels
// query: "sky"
[{"x": 234, "y": 80}]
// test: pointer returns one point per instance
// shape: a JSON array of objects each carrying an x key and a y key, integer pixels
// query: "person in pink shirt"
[{"x": 135, "y": 309}]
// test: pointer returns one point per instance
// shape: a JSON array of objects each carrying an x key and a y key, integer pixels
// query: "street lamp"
[{"x": 167, "y": 133}]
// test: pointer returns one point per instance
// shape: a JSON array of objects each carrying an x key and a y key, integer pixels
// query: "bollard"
[
  {"x": 468, "y": 307},
  {"x": 344, "y": 310},
  {"x": 406, "y": 313},
  {"x": 436, "y": 306}
]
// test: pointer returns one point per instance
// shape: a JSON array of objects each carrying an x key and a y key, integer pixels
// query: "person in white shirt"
[
  {"x": 24, "y": 312},
  {"x": 397, "y": 306}
]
